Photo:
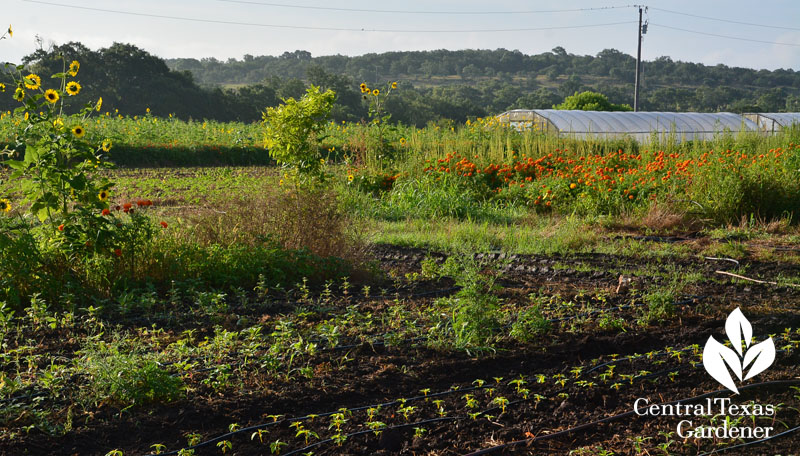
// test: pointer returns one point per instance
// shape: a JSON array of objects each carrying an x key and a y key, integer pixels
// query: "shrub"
[
  {"x": 125, "y": 377},
  {"x": 471, "y": 315}
]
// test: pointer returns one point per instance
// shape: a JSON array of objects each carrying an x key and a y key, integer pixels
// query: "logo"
[{"x": 754, "y": 359}]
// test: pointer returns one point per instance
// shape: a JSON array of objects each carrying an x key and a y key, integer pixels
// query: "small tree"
[
  {"x": 591, "y": 101},
  {"x": 293, "y": 132}
]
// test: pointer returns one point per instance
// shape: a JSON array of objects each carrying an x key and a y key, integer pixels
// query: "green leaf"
[
  {"x": 15, "y": 164},
  {"x": 78, "y": 182},
  {"x": 58, "y": 76}
]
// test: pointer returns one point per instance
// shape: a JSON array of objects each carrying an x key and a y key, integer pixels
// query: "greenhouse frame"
[
  {"x": 771, "y": 122},
  {"x": 642, "y": 126}
]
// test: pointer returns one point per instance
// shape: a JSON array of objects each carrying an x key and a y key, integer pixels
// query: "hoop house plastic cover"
[{"x": 640, "y": 125}]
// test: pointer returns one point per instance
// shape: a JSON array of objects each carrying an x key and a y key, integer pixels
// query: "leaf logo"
[{"x": 717, "y": 358}]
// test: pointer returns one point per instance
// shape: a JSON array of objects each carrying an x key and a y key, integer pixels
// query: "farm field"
[{"x": 450, "y": 290}]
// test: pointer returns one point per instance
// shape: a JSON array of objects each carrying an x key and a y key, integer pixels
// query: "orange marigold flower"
[
  {"x": 163, "y": 224},
  {"x": 106, "y": 212},
  {"x": 61, "y": 227},
  {"x": 118, "y": 252}
]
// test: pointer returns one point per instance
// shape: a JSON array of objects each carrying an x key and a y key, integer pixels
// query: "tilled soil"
[{"x": 569, "y": 379}]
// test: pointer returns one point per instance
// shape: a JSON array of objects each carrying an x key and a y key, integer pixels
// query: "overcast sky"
[{"x": 250, "y": 27}]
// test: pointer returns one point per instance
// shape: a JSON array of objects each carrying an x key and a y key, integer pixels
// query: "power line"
[
  {"x": 338, "y": 29},
  {"x": 725, "y": 20},
  {"x": 725, "y": 36},
  {"x": 359, "y": 10}
]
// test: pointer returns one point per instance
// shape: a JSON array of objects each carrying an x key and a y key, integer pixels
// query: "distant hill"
[{"x": 667, "y": 85}]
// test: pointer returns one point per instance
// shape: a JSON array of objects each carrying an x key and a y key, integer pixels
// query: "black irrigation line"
[
  {"x": 423, "y": 338},
  {"x": 389, "y": 404},
  {"x": 690, "y": 300},
  {"x": 625, "y": 415},
  {"x": 754, "y": 442},
  {"x": 321, "y": 415},
  {"x": 355, "y": 434}
]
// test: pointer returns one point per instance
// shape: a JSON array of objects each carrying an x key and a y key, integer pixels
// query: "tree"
[{"x": 591, "y": 101}]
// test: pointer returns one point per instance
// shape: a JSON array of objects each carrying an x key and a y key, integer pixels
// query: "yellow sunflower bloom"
[
  {"x": 106, "y": 146},
  {"x": 350, "y": 178},
  {"x": 376, "y": 92},
  {"x": 73, "y": 68},
  {"x": 73, "y": 88},
  {"x": 5, "y": 205},
  {"x": 363, "y": 87},
  {"x": 51, "y": 96},
  {"x": 32, "y": 81},
  {"x": 394, "y": 85},
  {"x": 78, "y": 131},
  {"x": 103, "y": 195},
  {"x": 10, "y": 32},
  {"x": 2, "y": 87},
  {"x": 99, "y": 104}
]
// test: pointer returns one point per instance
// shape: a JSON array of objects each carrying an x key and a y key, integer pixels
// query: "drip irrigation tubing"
[
  {"x": 320, "y": 415},
  {"x": 754, "y": 442},
  {"x": 620, "y": 416},
  {"x": 382, "y": 405},
  {"x": 355, "y": 434},
  {"x": 422, "y": 338}
]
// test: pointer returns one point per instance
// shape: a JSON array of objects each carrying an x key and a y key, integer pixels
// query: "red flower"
[
  {"x": 140, "y": 203},
  {"x": 118, "y": 252},
  {"x": 106, "y": 212},
  {"x": 61, "y": 227},
  {"x": 164, "y": 224},
  {"x": 127, "y": 206}
]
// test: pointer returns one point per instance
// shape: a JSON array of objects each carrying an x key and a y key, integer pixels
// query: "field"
[{"x": 450, "y": 290}]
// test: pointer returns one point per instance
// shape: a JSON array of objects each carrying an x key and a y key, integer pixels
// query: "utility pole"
[{"x": 642, "y": 31}]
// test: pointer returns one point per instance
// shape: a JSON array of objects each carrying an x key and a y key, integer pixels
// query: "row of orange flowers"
[{"x": 624, "y": 174}]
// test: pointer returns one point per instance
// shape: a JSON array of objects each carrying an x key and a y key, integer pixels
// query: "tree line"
[{"x": 433, "y": 85}]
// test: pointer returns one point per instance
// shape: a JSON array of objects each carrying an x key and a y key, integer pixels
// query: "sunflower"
[
  {"x": 73, "y": 68},
  {"x": 19, "y": 94},
  {"x": 376, "y": 92},
  {"x": 78, "y": 131},
  {"x": 102, "y": 195},
  {"x": 51, "y": 95},
  {"x": 10, "y": 32},
  {"x": 402, "y": 141},
  {"x": 106, "y": 146},
  {"x": 32, "y": 81},
  {"x": 99, "y": 104},
  {"x": 73, "y": 88},
  {"x": 350, "y": 178},
  {"x": 394, "y": 85},
  {"x": 363, "y": 87},
  {"x": 5, "y": 205},
  {"x": 2, "y": 87}
]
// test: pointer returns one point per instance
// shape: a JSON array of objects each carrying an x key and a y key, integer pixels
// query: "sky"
[{"x": 226, "y": 29}]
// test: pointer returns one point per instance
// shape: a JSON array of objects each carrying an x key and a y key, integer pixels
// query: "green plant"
[
  {"x": 292, "y": 133},
  {"x": 472, "y": 313},
  {"x": 126, "y": 377},
  {"x": 529, "y": 325}
]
